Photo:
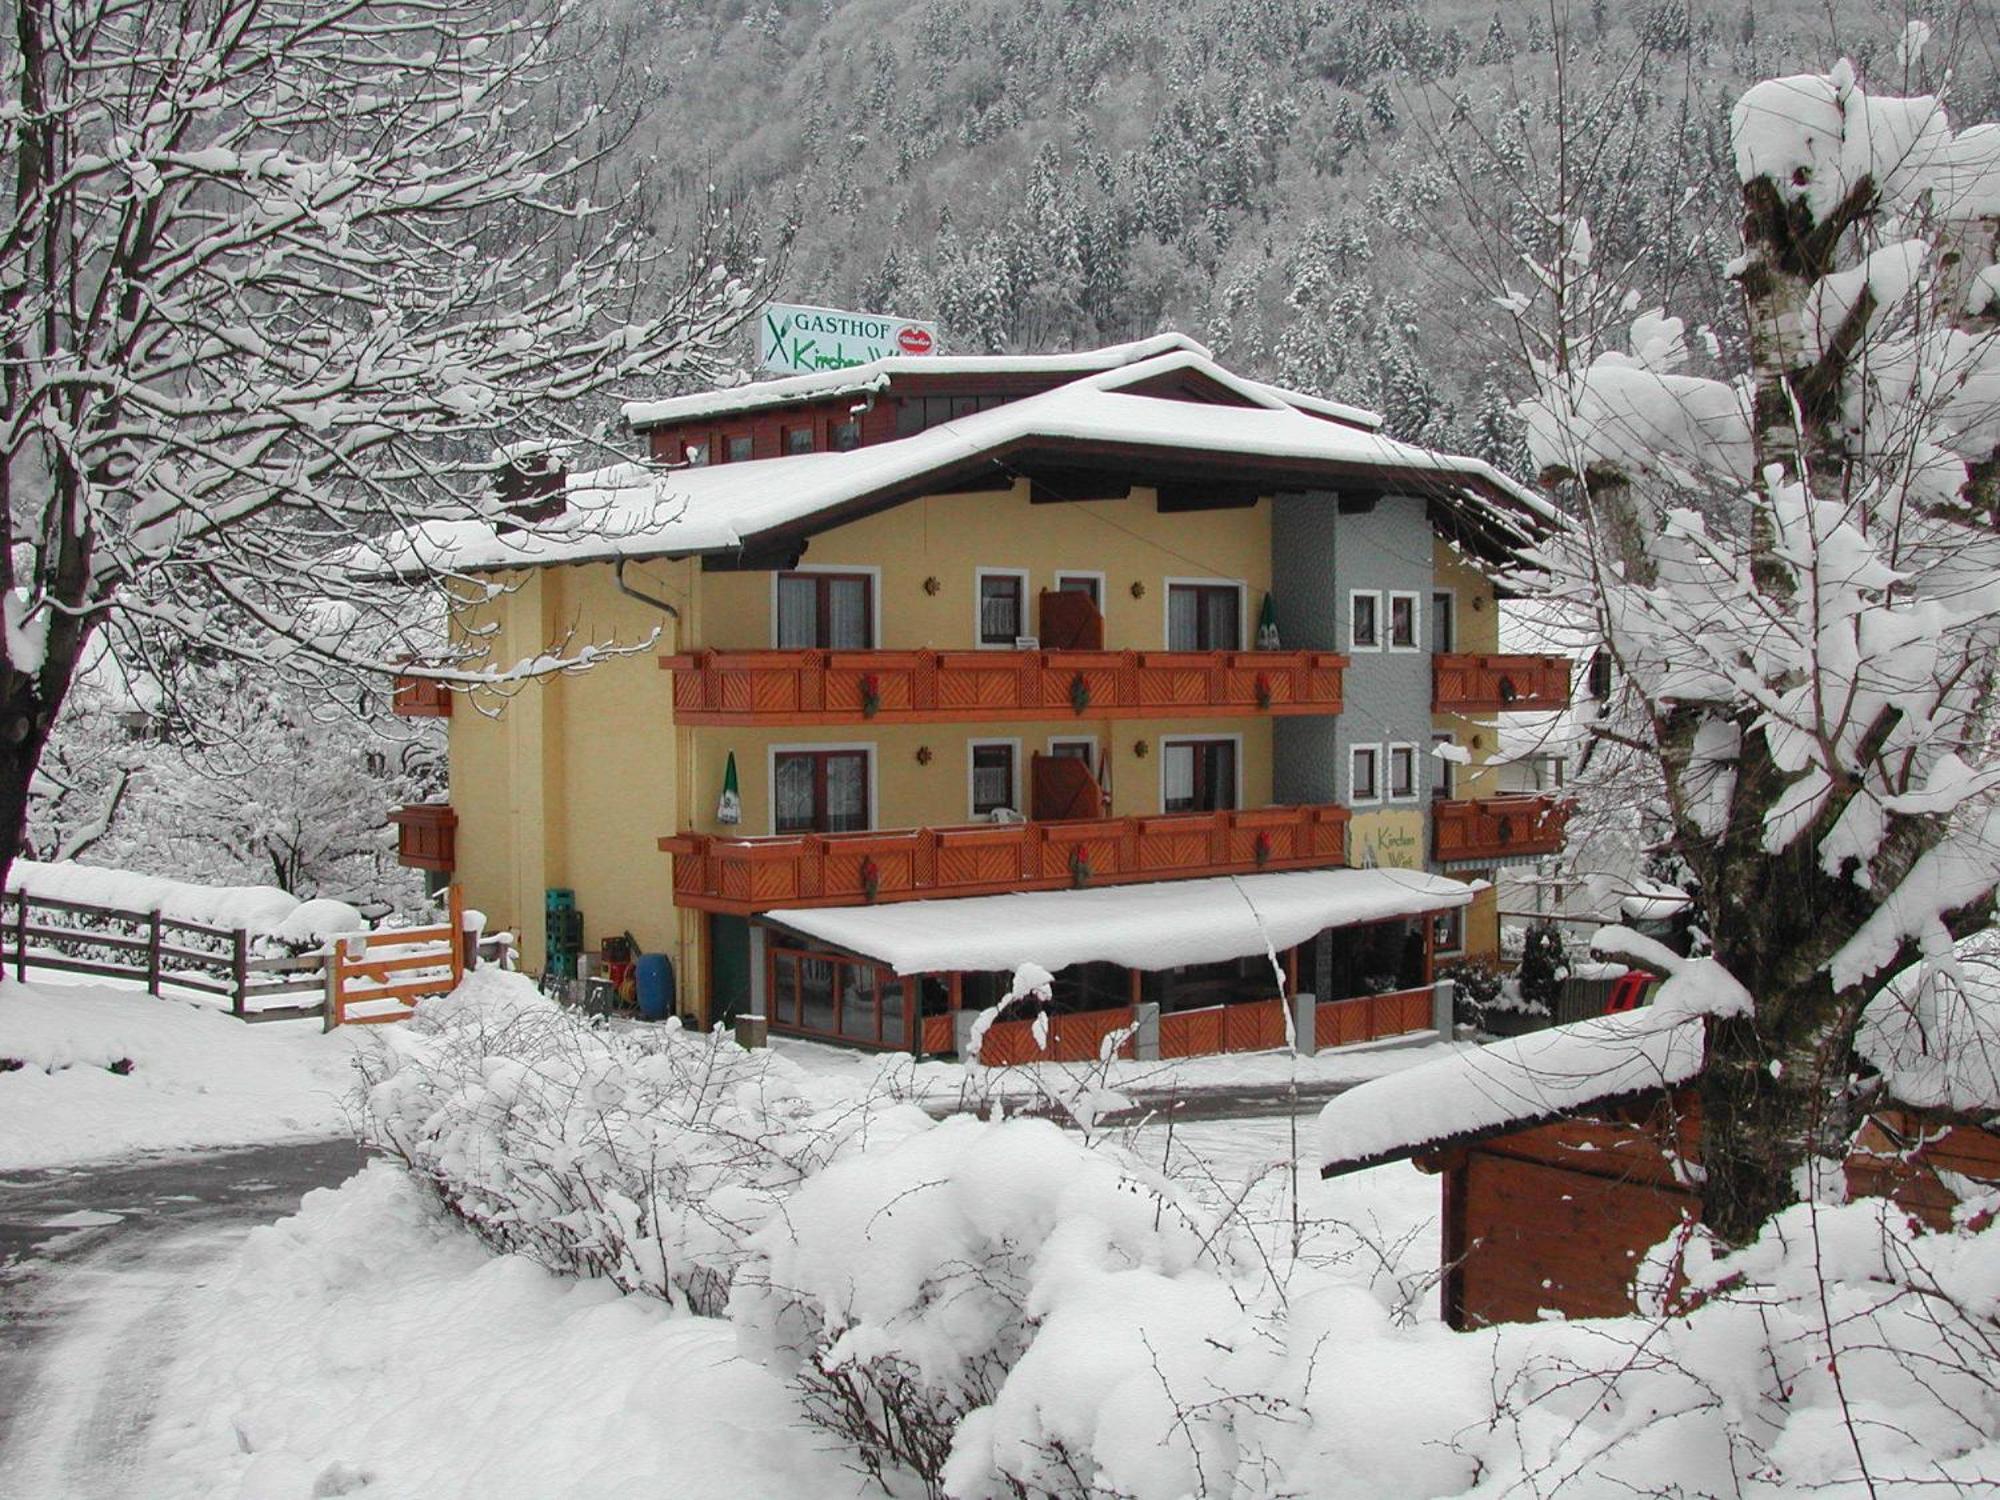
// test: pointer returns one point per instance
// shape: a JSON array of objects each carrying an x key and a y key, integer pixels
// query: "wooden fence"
[{"x": 160, "y": 952}]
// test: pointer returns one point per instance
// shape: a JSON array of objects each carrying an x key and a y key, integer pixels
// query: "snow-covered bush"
[
  {"x": 899, "y": 1290},
  {"x": 647, "y": 1156},
  {"x": 1543, "y": 968}
]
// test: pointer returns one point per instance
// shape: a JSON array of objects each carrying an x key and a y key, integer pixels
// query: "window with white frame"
[
  {"x": 1197, "y": 775},
  {"x": 993, "y": 769},
  {"x": 1405, "y": 631},
  {"x": 1402, "y": 773},
  {"x": 1364, "y": 621},
  {"x": 819, "y": 791},
  {"x": 1003, "y": 606},
  {"x": 1204, "y": 616},
  {"x": 826, "y": 611},
  {"x": 1364, "y": 773}
]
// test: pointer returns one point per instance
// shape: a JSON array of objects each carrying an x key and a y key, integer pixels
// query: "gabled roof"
[
  {"x": 637, "y": 510},
  {"x": 880, "y": 375}
]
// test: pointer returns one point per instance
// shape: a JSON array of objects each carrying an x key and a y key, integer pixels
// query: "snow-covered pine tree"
[
  {"x": 273, "y": 277},
  {"x": 1797, "y": 566}
]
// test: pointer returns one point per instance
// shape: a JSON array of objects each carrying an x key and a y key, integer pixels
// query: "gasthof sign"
[{"x": 797, "y": 340}]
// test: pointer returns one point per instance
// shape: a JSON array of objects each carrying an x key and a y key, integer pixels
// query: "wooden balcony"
[
  {"x": 846, "y": 687},
  {"x": 426, "y": 836},
  {"x": 1497, "y": 828},
  {"x": 1467, "y": 684},
  {"x": 847, "y": 869}
]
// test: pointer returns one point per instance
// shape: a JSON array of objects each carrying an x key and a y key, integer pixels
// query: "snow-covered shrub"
[
  {"x": 647, "y": 1156},
  {"x": 899, "y": 1290},
  {"x": 1544, "y": 967},
  {"x": 1475, "y": 988}
]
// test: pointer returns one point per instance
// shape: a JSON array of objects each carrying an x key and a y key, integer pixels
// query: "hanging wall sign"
[{"x": 794, "y": 340}]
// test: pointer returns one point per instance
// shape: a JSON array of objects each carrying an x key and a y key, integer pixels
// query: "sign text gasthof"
[{"x": 794, "y": 340}]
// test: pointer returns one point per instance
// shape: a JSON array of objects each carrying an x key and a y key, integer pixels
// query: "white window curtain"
[
  {"x": 847, "y": 607},
  {"x": 798, "y": 614},
  {"x": 794, "y": 792},
  {"x": 846, "y": 793},
  {"x": 1179, "y": 771},
  {"x": 1183, "y": 619},
  {"x": 999, "y": 609}
]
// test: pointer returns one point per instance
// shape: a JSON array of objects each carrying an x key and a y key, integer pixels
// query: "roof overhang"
[{"x": 1157, "y": 925}]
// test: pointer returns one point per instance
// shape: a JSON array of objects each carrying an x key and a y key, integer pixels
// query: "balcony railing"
[
  {"x": 1497, "y": 828},
  {"x": 842, "y": 687},
  {"x": 1467, "y": 684},
  {"x": 426, "y": 836},
  {"x": 847, "y": 869}
]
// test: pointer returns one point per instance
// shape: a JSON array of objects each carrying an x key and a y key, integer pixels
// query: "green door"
[{"x": 728, "y": 967}]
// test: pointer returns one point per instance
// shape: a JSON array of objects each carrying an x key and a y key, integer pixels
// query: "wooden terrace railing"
[
  {"x": 1467, "y": 684},
  {"x": 842, "y": 687},
  {"x": 1497, "y": 828},
  {"x": 742, "y": 875}
]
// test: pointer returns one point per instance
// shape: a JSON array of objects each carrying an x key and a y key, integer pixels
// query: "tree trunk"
[{"x": 24, "y": 734}]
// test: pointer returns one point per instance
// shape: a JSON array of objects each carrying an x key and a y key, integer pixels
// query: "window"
[
  {"x": 1442, "y": 774},
  {"x": 1448, "y": 930},
  {"x": 695, "y": 453},
  {"x": 1443, "y": 631},
  {"x": 798, "y": 440},
  {"x": 993, "y": 776},
  {"x": 1402, "y": 773},
  {"x": 826, "y": 611},
  {"x": 736, "y": 448},
  {"x": 1204, "y": 616},
  {"x": 1364, "y": 621},
  {"x": 1364, "y": 773},
  {"x": 844, "y": 436},
  {"x": 1091, "y": 584},
  {"x": 1197, "y": 775},
  {"x": 1084, "y": 750},
  {"x": 1002, "y": 607},
  {"x": 1404, "y": 631},
  {"x": 836, "y": 996},
  {"x": 819, "y": 791}
]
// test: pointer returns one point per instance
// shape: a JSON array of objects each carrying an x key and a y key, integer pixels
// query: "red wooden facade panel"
[
  {"x": 1464, "y": 683},
  {"x": 1497, "y": 828},
  {"x": 746, "y": 875},
  {"x": 828, "y": 687}
]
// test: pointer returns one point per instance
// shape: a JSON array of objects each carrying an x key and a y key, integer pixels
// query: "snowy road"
[{"x": 105, "y": 1256}]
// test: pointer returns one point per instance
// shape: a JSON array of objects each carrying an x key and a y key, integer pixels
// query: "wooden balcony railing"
[
  {"x": 848, "y": 869},
  {"x": 426, "y": 836},
  {"x": 844, "y": 687},
  {"x": 1467, "y": 684},
  {"x": 1497, "y": 828}
]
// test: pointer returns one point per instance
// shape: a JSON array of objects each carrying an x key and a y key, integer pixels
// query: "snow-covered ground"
[
  {"x": 196, "y": 1077},
  {"x": 368, "y": 1345}
]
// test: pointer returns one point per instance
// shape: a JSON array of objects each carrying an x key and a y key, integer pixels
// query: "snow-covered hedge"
[
  {"x": 264, "y": 911},
  {"x": 645, "y": 1155}
]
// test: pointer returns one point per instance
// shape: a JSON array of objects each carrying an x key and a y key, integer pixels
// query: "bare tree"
[{"x": 276, "y": 275}]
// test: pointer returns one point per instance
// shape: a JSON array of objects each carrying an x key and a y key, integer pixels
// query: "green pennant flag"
[
  {"x": 730, "y": 809},
  {"x": 1267, "y": 626}
]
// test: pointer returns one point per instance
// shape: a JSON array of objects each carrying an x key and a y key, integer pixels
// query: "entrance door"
[{"x": 728, "y": 967}]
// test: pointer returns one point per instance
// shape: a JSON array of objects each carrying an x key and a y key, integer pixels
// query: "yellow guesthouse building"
[{"x": 908, "y": 674}]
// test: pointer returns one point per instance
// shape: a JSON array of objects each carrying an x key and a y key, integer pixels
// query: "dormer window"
[
  {"x": 842, "y": 437},
  {"x": 737, "y": 448},
  {"x": 798, "y": 440}
]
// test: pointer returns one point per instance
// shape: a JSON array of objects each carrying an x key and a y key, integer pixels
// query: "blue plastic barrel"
[{"x": 656, "y": 986}]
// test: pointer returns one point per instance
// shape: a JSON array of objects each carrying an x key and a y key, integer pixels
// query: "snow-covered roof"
[
  {"x": 1158, "y": 925},
  {"x": 1540, "y": 1076},
  {"x": 637, "y": 510},
  {"x": 877, "y": 375}
]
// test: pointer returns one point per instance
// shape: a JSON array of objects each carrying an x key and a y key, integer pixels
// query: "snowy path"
[{"x": 94, "y": 1297}]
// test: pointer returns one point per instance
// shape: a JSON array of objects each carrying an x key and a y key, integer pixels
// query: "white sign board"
[{"x": 798, "y": 340}]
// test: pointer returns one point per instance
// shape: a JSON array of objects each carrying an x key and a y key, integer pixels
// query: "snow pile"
[
  {"x": 189, "y": 1077},
  {"x": 646, "y": 1156},
  {"x": 261, "y": 910},
  {"x": 1818, "y": 137},
  {"x": 365, "y": 1346}
]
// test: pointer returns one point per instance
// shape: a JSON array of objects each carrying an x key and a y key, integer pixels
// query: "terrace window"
[
  {"x": 820, "y": 791},
  {"x": 1197, "y": 775},
  {"x": 826, "y": 611},
  {"x": 1204, "y": 617},
  {"x": 1002, "y": 607}
]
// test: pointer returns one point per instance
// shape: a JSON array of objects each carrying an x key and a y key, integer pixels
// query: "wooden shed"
[{"x": 1566, "y": 1155}]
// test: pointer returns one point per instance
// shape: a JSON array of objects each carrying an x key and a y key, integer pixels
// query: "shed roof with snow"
[{"x": 1152, "y": 926}]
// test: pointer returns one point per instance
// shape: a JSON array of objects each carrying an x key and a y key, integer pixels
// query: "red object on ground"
[{"x": 1625, "y": 994}]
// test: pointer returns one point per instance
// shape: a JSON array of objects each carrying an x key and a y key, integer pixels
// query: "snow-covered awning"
[{"x": 1158, "y": 925}]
